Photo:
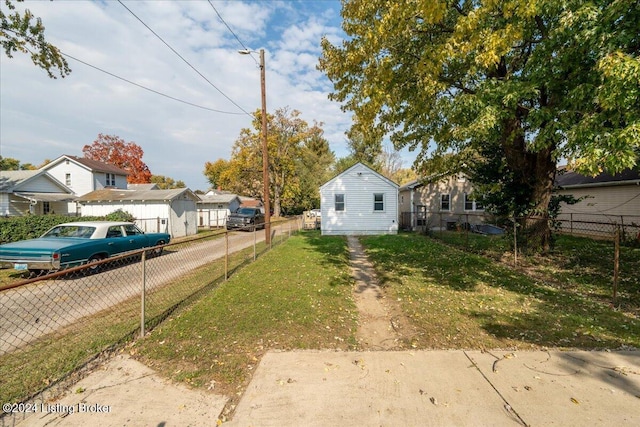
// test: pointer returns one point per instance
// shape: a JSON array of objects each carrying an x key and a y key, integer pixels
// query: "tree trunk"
[{"x": 534, "y": 172}]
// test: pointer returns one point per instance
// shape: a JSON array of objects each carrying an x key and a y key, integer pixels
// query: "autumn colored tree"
[
  {"x": 125, "y": 155},
  {"x": 533, "y": 81},
  {"x": 23, "y": 32},
  {"x": 299, "y": 158}
]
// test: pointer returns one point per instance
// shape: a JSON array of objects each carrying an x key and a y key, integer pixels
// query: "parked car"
[
  {"x": 246, "y": 218},
  {"x": 77, "y": 243}
]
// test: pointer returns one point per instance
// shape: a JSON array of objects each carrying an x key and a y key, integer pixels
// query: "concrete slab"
[
  {"x": 125, "y": 392},
  {"x": 573, "y": 388},
  {"x": 393, "y": 388},
  {"x": 435, "y": 388}
]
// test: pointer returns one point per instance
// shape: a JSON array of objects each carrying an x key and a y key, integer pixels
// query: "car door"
[
  {"x": 118, "y": 241},
  {"x": 137, "y": 238}
]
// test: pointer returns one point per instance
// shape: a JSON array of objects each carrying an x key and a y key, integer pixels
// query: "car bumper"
[{"x": 30, "y": 264}]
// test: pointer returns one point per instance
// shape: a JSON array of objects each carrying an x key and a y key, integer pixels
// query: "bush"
[{"x": 13, "y": 229}]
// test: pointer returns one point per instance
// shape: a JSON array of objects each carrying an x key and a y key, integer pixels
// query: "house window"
[
  {"x": 339, "y": 202},
  {"x": 445, "y": 202},
  {"x": 471, "y": 204},
  {"x": 378, "y": 202},
  {"x": 46, "y": 208},
  {"x": 67, "y": 179},
  {"x": 111, "y": 179}
]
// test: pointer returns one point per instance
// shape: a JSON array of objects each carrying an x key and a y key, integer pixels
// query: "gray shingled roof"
[
  {"x": 120, "y": 195},
  {"x": 570, "y": 178}
]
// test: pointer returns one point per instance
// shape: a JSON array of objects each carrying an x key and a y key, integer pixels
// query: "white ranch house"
[
  {"x": 32, "y": 192},
  {"x": 359, "y": 201}
]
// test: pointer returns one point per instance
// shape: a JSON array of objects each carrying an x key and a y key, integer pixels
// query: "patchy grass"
[
  {"x": 463, "y": 300},
  {"x": 579, "y": 263},
  {"x": 297, "y": 296}
]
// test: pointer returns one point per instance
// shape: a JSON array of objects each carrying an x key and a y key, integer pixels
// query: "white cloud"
[{"x": 42, "y": 118}]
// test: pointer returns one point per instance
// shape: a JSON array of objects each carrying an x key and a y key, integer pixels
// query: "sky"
[{"x": 199, "y": 92}]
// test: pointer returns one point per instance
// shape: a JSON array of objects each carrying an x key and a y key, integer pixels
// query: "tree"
[
  {"x": 125, "y": 155},
  {"x": 536, "y": 81},
  {"x": 166, "y": 183},
  {"x": 25, "y": 33},
  {"x": 11, "y": 164},
  {"x": 299, "y": 158}
]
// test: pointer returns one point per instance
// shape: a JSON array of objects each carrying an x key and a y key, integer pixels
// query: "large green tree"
[
  {"x": 299, "y": 158},
  {"x": 536, "y": 80},
  {"x": 23, "y": 32}
]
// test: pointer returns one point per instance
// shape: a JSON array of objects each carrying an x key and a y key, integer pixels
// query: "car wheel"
[
  {"x": 93, "y": 266},
  {"x": 157, "y": 251}
]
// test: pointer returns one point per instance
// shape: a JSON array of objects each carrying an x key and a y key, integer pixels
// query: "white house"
[
  {"x": 32, "y": 192},
  {"x": 170, "y": 211},
  {"x": 359, "y": 201},
  {"x": 215, "y": 207},
  {"x": 84, "y": 175}
]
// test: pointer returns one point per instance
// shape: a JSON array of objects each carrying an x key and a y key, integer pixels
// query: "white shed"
[
  {"x": 169, "y": 211},
  {"x": 359, "y": 201}
]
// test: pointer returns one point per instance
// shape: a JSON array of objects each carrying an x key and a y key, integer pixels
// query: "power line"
[
  {"x": 231, "y": 31},
  {"x": 149, "y": 89},
  {"x": 185, "y": 61}
]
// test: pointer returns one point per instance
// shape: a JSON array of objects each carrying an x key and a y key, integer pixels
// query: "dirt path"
[{"x": 381, "y": 323}]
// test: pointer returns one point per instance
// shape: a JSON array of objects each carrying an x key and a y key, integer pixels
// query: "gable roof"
[
  {"x": 120, "y": 195},
  {"x": 92, "y": 165},
  {"x": 365, "y": 168},
  {"x": 218, "y": 198},
  {"x": 569, "y": 179},
  {"x": 12, "y": 181}
]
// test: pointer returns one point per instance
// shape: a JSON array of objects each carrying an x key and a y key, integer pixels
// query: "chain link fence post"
[
  {"x": 616, "y": 261},
  {"x": 143, "y": 268}
]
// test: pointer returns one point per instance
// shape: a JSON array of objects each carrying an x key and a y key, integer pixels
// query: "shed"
[
  {"x": 213, "y": 209},
  {"x": 170, "y": 211},
  {"x": 359, "y": 201}
]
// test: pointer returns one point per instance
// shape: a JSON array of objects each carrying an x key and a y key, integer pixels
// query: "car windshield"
[
  {"x": 70, "y": 231},
  {"x": 246, "y": 211}
]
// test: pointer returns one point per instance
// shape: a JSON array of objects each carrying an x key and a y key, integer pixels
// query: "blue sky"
[{"x": 42, "y": 118}]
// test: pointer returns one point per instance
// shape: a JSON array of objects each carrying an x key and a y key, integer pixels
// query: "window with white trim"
[
  {"x": 471, "y": 204},
  {"x": 111, "y": 179},
  {"x": 67, "y": 179},
  {"x": 339, "y": 202},
  {"x": 445, "y": 202},
  {"x": 378, "y": 202}
]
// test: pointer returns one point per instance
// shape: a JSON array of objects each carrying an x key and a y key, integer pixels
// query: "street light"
[{"x": 265, "y": 153}]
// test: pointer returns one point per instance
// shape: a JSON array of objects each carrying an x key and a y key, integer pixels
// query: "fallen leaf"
[{"x": 575, "y": 401}]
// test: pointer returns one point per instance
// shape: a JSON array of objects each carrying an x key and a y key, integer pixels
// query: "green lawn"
[
  {"x": 299, "y": 296},
  {"x": 464, "y": 300}
]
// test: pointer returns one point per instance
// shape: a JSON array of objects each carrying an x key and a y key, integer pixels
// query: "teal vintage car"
[{"x": 77, "y": 243}]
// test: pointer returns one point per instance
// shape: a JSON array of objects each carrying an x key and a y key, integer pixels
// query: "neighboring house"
[
  {"x": 84, "y": 175},
  {"x": 213, "y": 209},
  {"x": 607, "y": 198},
  {"x": 169, "y": 211},
  {"x": 438, "y": 202},
  {"x": 33, "y": 192},
  {"x": 359, "y": 201}
]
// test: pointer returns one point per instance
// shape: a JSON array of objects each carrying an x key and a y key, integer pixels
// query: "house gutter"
[{"x": 600, "y": 184}]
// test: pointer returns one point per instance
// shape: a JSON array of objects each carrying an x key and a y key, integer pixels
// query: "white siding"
[
  {"x": 359, "y": 184},
  {"x": 178, "y": 218},
  {"x": 81, "y": 178},
  {"x": 613, "y": 201}
]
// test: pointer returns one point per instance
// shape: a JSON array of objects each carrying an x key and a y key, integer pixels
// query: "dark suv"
[{"x": 247, "y": 219}]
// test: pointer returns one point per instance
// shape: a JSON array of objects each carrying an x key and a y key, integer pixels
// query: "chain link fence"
[
  {"x": 598, "y": 252},
  {"x": 50, "y": 326}
]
